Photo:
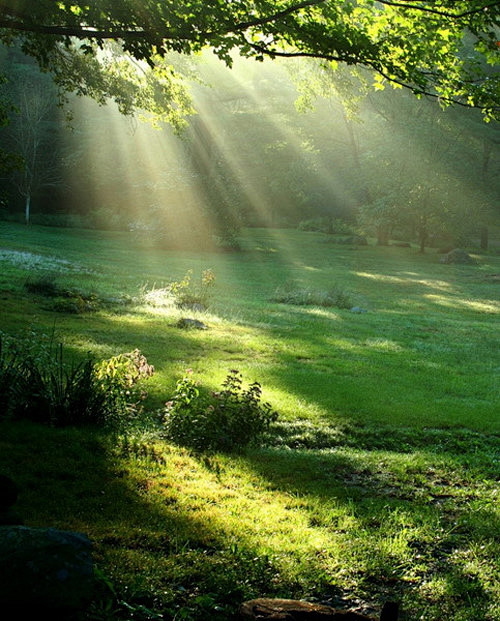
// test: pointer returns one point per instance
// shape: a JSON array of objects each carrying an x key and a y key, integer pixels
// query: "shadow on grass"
[{"x": 156, "y": 544}]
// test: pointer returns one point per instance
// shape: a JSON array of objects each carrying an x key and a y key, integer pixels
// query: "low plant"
[
  {"x": 188, "y": 293},
  {"x": 121, "y": 378},
  {"x": 64, "y": 300},
  {"x": 76, "y": 303},
  {"x": 291, "y": 293},
  {"x": 227, "y": 420},
  {"x": 61, "y": 396}
]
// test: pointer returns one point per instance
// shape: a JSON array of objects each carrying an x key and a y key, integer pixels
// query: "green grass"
[{"x": 382, "y": 478}]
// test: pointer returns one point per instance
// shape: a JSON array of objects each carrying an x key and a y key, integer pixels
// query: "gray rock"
[
  {"x": 458, "y": 256},
  {"x": 358, "y": 309},
  {"x": 186, "y": 322},
  {"x": 44, "y": 569}
]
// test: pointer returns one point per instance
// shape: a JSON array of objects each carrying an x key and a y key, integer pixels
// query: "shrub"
[
  {"x": 226, "y": 420},
  {"x": 325, "y": 224},
  {"x": 314, "y": 224},
  {"x": 121, "y": 378},
  {"x": 60, "y": 397},
  {"x": 227, "y": 240}
]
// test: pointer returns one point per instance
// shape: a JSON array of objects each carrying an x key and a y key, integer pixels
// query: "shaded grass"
[{"x": 343, "y": 525}]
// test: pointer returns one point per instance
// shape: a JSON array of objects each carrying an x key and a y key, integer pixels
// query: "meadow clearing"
[{"x": 380, "y": 478}]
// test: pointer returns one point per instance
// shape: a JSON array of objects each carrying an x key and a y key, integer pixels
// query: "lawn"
[{"x": 380, "y": 480}]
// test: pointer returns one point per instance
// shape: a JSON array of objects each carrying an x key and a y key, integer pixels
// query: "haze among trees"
[
  {"x": 268, "y": 144},
  {"x": 366, "y": 160}
]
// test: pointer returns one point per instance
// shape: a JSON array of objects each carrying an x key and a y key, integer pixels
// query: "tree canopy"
[{"x": 444, "y": 48}]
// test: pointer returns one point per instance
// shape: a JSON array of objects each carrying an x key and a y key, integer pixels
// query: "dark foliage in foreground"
[{"x": 37, "y": 385}]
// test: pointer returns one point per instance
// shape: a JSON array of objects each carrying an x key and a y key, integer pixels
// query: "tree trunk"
[
  {"x": 487, "y": 149},
  {"x": 27, "y": 209},
  {"x": 383, "y": 236},
  {"x": 423, "y": 234},
  {"x": 484, "y": 237},
  {"x": 423, "y": 239},
  {"x": 354, "y": 144}
]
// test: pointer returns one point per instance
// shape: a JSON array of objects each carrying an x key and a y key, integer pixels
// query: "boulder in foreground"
[{"x": 266, "y": 609}]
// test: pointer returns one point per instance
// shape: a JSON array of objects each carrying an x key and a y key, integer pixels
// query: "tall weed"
[
  {"x": 37, "y": 385},
  {"x": 187, "y": 292}
]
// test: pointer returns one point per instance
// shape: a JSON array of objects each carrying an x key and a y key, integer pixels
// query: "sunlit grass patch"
[
  {"x": 481, "y": 306},
  {"x": 33, "y": 261},
  {"x": 157, "y": 297}
]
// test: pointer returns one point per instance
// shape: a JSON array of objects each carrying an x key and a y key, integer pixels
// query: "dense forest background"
[{"x": 268, "y": 144}]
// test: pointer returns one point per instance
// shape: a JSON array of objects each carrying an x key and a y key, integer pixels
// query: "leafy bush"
[
  {"x": 227, "y": 240},
  {"x": 351, "y": 240},
  {"x": 226, "y": 420},
  {"x": 39, "y": 386},
  {"x": 120, "y": 378},
  {"x": 314, "y": 224},
  {"x": 291, "y": 293}
]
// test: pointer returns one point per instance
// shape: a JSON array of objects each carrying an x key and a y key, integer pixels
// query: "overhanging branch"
[
  {"x": 75, "y": 31},
  {"x": 261, "y": 49},
  {"x": 425, "y": 9},
  {"x": 22, "y": 23}
]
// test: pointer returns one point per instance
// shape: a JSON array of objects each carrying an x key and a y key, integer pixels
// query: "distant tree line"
[{"x": 269, "y": 145}]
